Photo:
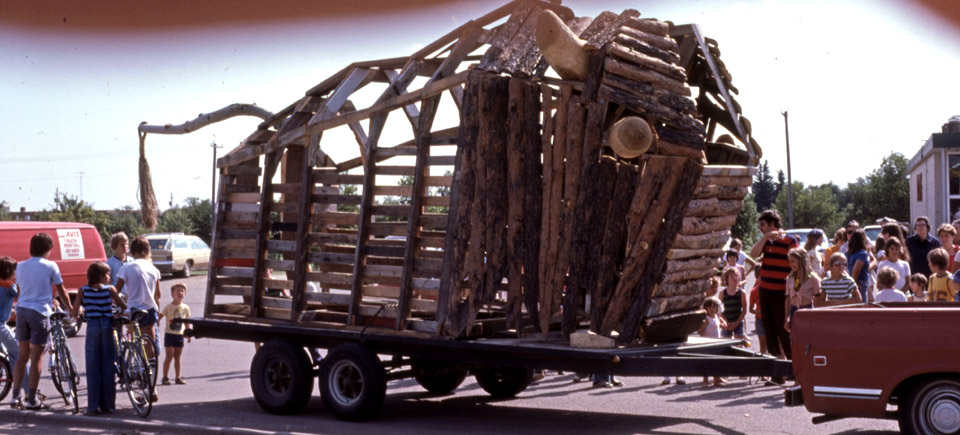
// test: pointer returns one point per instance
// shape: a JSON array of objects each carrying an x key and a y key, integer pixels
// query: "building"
[{"x": 935, "y": 176}]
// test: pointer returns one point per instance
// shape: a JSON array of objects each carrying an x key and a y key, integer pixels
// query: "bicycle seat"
[
  {"x": 59, "y": 315},
  {"x": 136, "y": 315}
]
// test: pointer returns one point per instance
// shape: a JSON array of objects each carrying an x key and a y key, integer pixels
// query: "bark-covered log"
[
  {"x": 711, "y": 240},
  {"x": 681, "y": 104},
  {"x": 690, "y": 138},
  {"x": 689, "y": 274},
  {"x": 532, "y": 176},
  {"x": 671, "y": 327},
  {"x": 576, "y": 118},
  {"x": 720, "y": 192},
  {"x": 677, "y": 254},
  {"x": 654, "y": 78},
  {"x": 703, "y": 225},
  {"x": 645, "y": 105},
  {"x": 649, "y": 50},
  {"x": 494, "y": 123},
  {"x": 515, "y": 197},
  {"x": 693, "y": 287},
  {"x": 729, "y": 171},
  {"x": 667, "y": 148},
  {"x": 613, "y": 244},
  {"x": 675, "y": 266},
  {"x": 648, "y": 25},
  {"x": 714, "y": 207},
  {"x": 708, "y": 180},
  {"x": 661, "y": 42},
  {"x": 649, "y": 62},
  {"x": 674, "y": 303}
]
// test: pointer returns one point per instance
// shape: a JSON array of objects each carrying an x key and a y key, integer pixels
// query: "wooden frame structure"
[{"x": 518, "y": 219}]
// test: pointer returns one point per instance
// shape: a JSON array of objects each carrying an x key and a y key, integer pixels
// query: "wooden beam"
[{"x": 263, "y": 230}]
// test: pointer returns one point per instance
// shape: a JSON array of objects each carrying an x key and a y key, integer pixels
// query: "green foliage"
[
  {"x": 764, "y": 189},
  {"x": 348, "y": 190},
  {"x": 745, "y": 228},
  {"x": 884, "y": 192},
  {"x": 813, "y": 207},
  {"x": 194, "y": 217}
]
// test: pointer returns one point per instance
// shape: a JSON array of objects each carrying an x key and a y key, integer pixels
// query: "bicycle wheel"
[
  {"x": 6, "y": 376},
  {"x": 136, "y": 370},
  {"x": 70, "y": 381},
  {"x": 55, "y": 367}
]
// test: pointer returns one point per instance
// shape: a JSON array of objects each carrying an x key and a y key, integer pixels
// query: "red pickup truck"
[{"x": 856, "y": 361}]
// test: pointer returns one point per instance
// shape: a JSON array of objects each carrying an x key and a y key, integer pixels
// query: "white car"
[{"x": 801, "y": 235}]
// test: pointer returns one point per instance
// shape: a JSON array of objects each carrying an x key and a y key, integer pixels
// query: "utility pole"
[
  {"x": 81, "y": 184},
  {"x": 213, "y": 181},
  {"x": 786, "y": 129}
]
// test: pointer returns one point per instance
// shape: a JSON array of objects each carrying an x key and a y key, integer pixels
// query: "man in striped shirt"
[{"x": 774, "y": 268}]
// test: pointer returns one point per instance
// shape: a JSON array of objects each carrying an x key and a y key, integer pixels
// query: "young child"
[
  {"x": 173, "y": 336},
  {"x": 838, "y": 287},
  {"x": 118, "y": 244},
  {"x": 95, "y": 298},
  {"x": 743, "y": 260},
  {"x": 140, "y": 281},
  {"x": 711, "y": 327},
  {"x": 940, "y": 287},
  {"x": 887, "y": 281},
  {"x": 754, "y": 301},
  {"x": 8, "y": 292},
  {"x": 893, "y": 260},
  {"x": 918, "y": 286},
  {"x": 734, "y": 304},
  {"x": 803, "y": 284},
  {"x": 731, "y": 262},
  {"x": 35, "y": 277}
]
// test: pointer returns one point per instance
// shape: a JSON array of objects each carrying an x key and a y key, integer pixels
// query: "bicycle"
[
  {"x": 133, "y": 368},
  {"x": 62, "y": 368},
  {"x": 6, "y": 375}
]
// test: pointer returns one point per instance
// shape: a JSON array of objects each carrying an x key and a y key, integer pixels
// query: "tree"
[
  {"x": 813, "y": 207},
  {"x": 781, "y": 183},
  {"x": 889, "y": 189},
  {"x": 745, "y": 228},
  {"x": 764, "y": 189},
  {"x": 348, "y": 190}
]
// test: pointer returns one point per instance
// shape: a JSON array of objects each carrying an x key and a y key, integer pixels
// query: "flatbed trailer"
[{"x": 353, "y": 374}]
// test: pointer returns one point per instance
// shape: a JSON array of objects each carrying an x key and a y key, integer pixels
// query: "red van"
[{"x": 75, "y": 246}]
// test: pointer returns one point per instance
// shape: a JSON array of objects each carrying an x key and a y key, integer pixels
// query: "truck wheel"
[
  {"x": 353, "y": 383},
  {"x": 438, "y": 377},
  {"x": 281, "y": 377},
  {"x": 503, "y": 382},
  {"x": 186, "y": 269},
  {"x": 932, "y": 408}
]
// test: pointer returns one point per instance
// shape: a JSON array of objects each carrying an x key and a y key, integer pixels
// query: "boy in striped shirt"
[{"x": 839, "y": 288}]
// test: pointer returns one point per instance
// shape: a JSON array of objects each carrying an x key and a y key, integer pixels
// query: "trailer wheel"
[
  {"x": 438, "y": 377},
  {"x": 281, "y": 377},
  {"x": 503, "y": 382},
  {"x": 353, "y": 383},
  {"x": 931, "y": 408}
]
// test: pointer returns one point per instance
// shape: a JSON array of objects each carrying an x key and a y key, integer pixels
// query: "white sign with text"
[{"x": 71, "y": 244}]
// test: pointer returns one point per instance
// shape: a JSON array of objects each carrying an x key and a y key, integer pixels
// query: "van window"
[
  {"x": 180, "y": 243},
  {"x": 158, "y": 244}
]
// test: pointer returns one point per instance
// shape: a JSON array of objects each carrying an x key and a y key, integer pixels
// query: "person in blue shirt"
[
  {"x": 35, "y": 277},
  {"x": 8, "y": 292},
  {"x": 118, "y": 244}
]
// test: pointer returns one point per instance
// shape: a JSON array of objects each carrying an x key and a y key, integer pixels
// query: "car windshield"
[
  {"x": 872, "y": 233},
  {"x": 158, "y": 244}
]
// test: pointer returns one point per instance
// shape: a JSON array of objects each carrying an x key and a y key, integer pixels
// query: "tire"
[
  {"x": 70, "y": 381},
  {"x": 503, "y": 382},
  {"x": 353, "y": 383},
  {"x": 931, "y": 408},
  {"x": 137, "y": 376},
  {"x": 186, "y": 269},
  {"x": 438, "y": 377},
  {"x": 6, "y": 376},
  {"x": 281, "y": 377}
]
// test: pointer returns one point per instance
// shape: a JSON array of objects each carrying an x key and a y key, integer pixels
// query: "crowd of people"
[
  {"x": 130, "y": 283},
  {"x": 922, "y": 267}
]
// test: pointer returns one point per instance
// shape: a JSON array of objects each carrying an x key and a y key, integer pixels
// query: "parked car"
[
  {"x": 801, "y": 235},
  {"x": 75, "y": 246},
  {"x": 873, "y": 232},
  {"x": 178, "y": 253}
]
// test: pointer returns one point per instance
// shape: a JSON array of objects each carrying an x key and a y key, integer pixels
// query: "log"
[
  {"x": 648, "y": 25},
  {"x": 648, "y": 106},
  {"x": 532, "y": 175},
  {"x": 593, "y": 201},
  {"x": 711, "y": 240},
  {"x": 666, "y": 182},
  {"x": 677, "y": 254},
  {"x": 609, "y": 266},
  {"x": 571, "y": 179},
  {"x": 205, "y": 119},
  {"x": 648, "y": 62},
  {"x": 720, "y": 192},
  {"x": 660, "y": 306},
  {"x": 730, "y": 171},
  {"x": 515, "y": 197},
  {"x": 689, "y": 138},
  {"x": 504, "y": 34},
  {"x": 674, "y": 266},
  {"x": 682, "y": 104},
  {"x": 521, "y": 56},
  {"x": 673, "y": 195},
  {"x": 714, "y": 207},
  {"x": 689, "y": 274},
  {"x": 645, "y": 48},
  {"x": 546, "y": 228},
  {"x": 552, "y": 287},
  {"x": 707, "y": 180},
  {"x": 654, "y": 78},
  {"x": 591, "y": 84},
  {"x": 667, "y": 148},
  {"x": 604, "y": 28},
  {"x": 661, "y": 42},
  {"x": 692, "y": 287},
  {"x": 703, "y": 225},
  {"x": 672, "y": 327}
]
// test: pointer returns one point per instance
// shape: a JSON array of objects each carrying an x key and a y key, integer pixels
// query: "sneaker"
[
  {"x": 16, "y": 403},
  {"x": 165, "y": 381},
  {"x": 91, "y": 412},
  {"x": 616, "y": 383},
  {"x": 680, "y": 381},
  {"x": 666, "y": 381},
  {"x": 578, "y": 378},
  {"x": 602, "y": 384},
  {"x": 38, "y": 406},
  {"x": 180, "y": 381},
  {"x": 537, "y": 376}
]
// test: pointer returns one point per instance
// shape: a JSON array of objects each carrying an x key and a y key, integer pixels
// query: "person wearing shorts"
[
  {"x": 139, "y": 280},
  {"x": 173, "y": 334},
  {"x": 35, "y": 277}
]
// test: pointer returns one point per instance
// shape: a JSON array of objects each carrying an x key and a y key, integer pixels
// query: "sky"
[{"x": 860, "y": 79}]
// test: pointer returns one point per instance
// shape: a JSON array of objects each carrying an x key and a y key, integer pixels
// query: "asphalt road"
[{"x": 217, "y": 399}]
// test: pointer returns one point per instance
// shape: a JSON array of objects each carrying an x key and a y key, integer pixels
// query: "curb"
[{"x": 70, "y": 420}]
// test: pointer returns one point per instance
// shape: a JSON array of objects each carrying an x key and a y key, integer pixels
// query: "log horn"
[
  {"x": 630, "y": 137},
  {"x": 561, "y": 48}
]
